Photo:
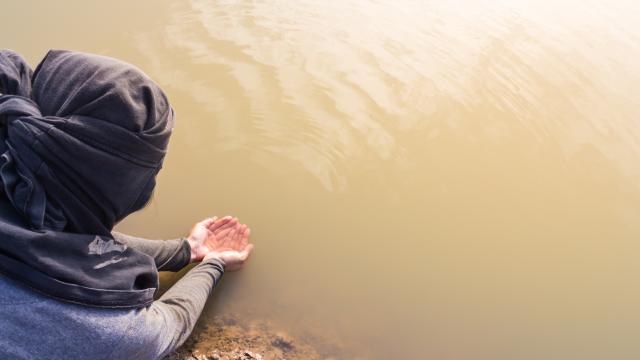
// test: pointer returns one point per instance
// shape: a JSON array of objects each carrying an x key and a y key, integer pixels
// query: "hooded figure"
[{"x": 81, "y": 141}]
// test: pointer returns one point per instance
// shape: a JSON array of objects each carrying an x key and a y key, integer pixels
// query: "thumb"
[{"x": 244, "y": 254}]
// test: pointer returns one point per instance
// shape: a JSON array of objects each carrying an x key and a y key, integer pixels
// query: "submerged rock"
[
  {"x": 228, "y": 338},
  {"x": 283, "y": 341}
]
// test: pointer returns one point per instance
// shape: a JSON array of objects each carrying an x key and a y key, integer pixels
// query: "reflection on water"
[{"x": 447, "y": 180}]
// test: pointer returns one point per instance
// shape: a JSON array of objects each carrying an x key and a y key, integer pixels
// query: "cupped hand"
[
  {"x": 225, "y": 239},
  {"x": 202, "y": 233}
]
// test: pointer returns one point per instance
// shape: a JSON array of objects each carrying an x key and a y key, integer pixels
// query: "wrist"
[
  {"x": 214, "y": 256},
  {"x": 193, "y": 245}
]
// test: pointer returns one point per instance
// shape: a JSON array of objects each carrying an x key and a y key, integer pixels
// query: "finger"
[
  {"x": 221, "y": 221},
  {"x": 222, "y": 235},
  {"x": 241, "y": 229},
  {"x": 228, "y": 240},
  {"x": 237, "y": 238},
  {"x": 207, "y": 222},
  {"x": 239, "y": 232},
  {"x": 231, "y": 223},
  {"x": 217, "y": 224},
  {"x": 245, "y": 237}
]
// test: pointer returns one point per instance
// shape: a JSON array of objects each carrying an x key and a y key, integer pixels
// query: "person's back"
[{"x": 34, "y": 326}]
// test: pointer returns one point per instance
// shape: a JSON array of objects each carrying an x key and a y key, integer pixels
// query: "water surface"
[{"x": 433, "y": 179}]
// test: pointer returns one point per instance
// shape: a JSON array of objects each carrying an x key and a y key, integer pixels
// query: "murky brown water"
[{"x": 439, "y": 179}]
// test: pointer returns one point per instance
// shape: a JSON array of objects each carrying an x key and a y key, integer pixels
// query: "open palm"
[{"x": 225, "y": 239}]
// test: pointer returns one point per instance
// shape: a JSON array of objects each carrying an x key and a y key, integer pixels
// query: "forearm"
[
  {"x": 182, "y": 304},
  {"x": 169, "y": 255}
]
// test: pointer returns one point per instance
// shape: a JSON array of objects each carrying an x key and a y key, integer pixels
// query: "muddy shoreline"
[{"x": 228, "y": 338}]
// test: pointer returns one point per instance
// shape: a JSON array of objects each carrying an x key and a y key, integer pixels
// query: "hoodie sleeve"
[
  {"x": 168, "y": 255},
  {"x": 165, "y": 325}
]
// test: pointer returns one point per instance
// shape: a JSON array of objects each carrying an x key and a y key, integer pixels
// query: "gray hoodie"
[{"x": 34, "y": 326}]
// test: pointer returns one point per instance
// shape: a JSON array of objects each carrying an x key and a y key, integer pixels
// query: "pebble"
[{"x": 283, "y": 341}]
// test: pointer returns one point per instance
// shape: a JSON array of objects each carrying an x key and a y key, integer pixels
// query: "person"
[{"x": 82, "y": 139}]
